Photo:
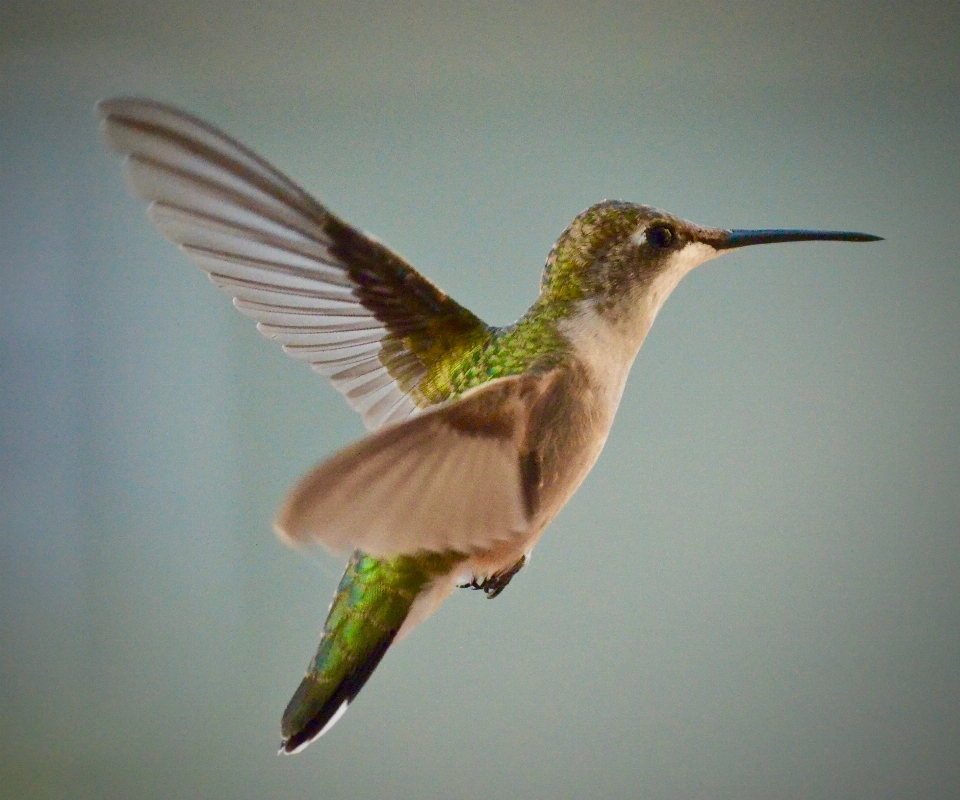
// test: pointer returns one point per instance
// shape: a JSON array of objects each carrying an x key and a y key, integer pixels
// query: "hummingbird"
[{"x": 478, "y": 434}]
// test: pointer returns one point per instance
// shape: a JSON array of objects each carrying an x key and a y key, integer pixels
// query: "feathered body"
[{"x": 480, "y": 434}]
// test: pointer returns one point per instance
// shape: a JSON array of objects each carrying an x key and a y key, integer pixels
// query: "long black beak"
[{"x": 727, "y": 240}]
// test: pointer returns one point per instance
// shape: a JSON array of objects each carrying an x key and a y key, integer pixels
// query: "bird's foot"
[{"x": 496, "y": 583}]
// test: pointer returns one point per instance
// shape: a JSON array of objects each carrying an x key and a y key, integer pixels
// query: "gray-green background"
[{"x": 756, "y": 594}]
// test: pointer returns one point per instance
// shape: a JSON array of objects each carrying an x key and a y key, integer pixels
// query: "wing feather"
[
  {"x": 449, "y": 479},
  {"x": 327, "y": 293}
]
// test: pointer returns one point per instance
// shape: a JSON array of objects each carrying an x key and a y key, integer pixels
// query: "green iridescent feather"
[
  {"x": 371, "y": 603},
  {"x": 534, "y": 341}
]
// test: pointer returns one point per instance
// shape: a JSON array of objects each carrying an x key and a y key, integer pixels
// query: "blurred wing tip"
[
  {"x": 295, "y": 535},
  {"x": 111, "y": 106},
  {"x": 283, "y": 528},
  {"x": 123, "y": 105}
]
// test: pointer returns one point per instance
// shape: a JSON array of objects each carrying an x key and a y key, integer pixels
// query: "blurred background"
[{"x": 756, "y": 593}]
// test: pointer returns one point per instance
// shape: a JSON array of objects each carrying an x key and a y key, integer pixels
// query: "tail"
[{"x": 372, "y": 602}]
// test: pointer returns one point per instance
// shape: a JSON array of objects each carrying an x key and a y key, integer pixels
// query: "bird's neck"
[
  {"x": 605, "y": 332},
  {"x": 609, "y": 326},
  {"x": 605, "y": 347}
]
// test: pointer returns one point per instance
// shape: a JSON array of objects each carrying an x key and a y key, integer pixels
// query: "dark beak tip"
[{"x": 862, "y": 237}]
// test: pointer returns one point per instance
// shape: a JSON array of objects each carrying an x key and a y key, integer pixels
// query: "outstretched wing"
[
  {"x": 330, "y": 295},
  {"x": 458, "y": 477}
]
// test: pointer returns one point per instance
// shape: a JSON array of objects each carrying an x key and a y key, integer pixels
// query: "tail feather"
[
  {"x": 372, "y": 601},
  {"x": 316, "y": 706}
]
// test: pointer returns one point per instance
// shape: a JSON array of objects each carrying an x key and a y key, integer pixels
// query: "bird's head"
[{"x": 623, "y": 256}]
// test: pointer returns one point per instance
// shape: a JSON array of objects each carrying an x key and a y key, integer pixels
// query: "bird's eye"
[{"x": 660, "y": 236}]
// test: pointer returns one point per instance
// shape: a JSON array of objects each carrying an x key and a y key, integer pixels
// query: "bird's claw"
[{"x": 496, "y": 583}]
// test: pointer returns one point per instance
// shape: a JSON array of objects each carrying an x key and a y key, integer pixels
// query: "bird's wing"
[
  {"x": 329, "y": 294},
  {"x": 457, "y": 477}
]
